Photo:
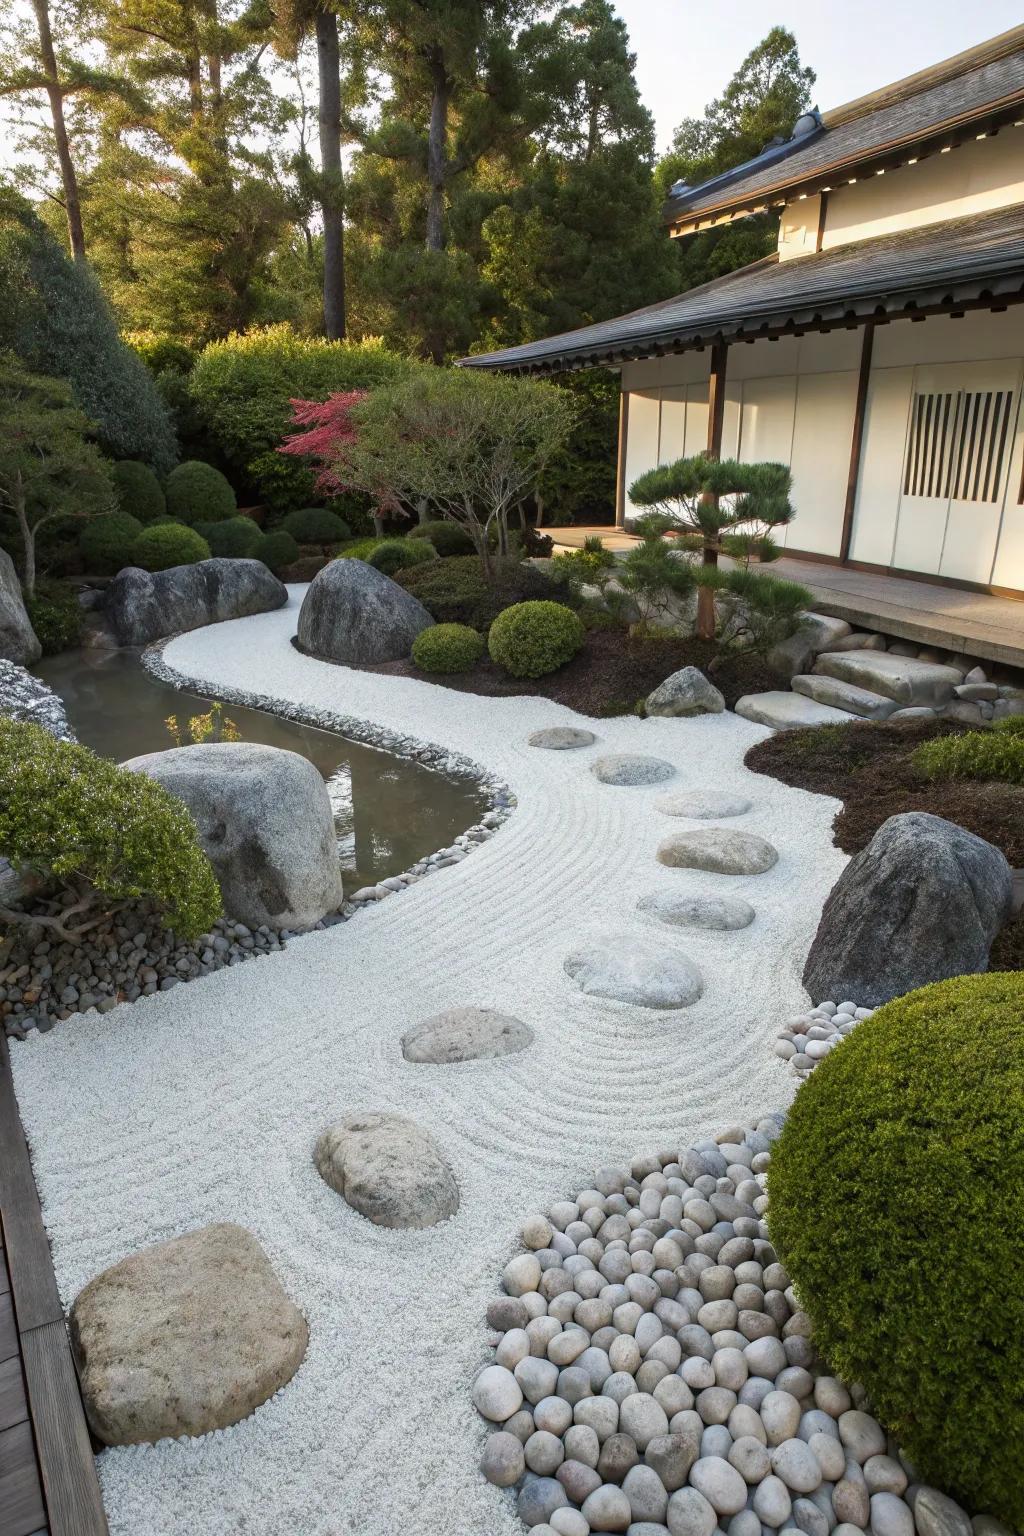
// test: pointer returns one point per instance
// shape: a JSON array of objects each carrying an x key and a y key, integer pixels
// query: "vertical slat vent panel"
[{"x": 958, "y": 444}]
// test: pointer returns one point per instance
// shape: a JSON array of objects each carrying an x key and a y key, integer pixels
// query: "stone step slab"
[
  {"x": 789, "y": 711},
  {"x": 840, "y": 695},
  {"x": 905, "y": 679}
]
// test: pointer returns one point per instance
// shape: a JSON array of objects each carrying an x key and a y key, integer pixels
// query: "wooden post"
[
  {"x": 620, "y": 468},
  {"x": 863, "y": 380},
  {"x": 716, "y": 398}
]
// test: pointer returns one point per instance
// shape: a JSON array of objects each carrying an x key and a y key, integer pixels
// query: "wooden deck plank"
[
  {"x": 22, "y": 1511},
  {"x": 8, "y": 1330},
  {"x": 70, "y": 1484},
  {"x": 34, "y": 1287},
  {"x": 13, "y": 1403}
]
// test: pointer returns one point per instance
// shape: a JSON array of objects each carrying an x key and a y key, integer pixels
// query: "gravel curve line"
[{"x": 203, "y": 1103}]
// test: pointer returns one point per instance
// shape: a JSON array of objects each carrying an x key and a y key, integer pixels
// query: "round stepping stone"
[
  {"x": 719, "y": 850},
  {"x": 722, "y": 912},
  {"x": 631, "y": 768},
  {"x": 702, "y": 804},
  {"x": 465, "y": 1034},
  {"x": 561, "y": 738},
  {"x": 184, "y": 1337},
  {"x": 389, "y": 1169},
  {"x": 636, "y": 971}
]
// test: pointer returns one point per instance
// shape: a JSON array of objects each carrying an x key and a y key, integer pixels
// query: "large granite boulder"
[
  {"x": 389, "y": 1169},
  {"x": 184, "y": 1337},
  {"x": 355, "y": 614},
  {"x": 17, "y": 637},
  {"x": 265, "y": 822},
  {"x": 143, "y": 606},
  {"x": 686, "y": 692},
  {"x": 923, "y": 901},
  {"x": 905, "y": 679}
]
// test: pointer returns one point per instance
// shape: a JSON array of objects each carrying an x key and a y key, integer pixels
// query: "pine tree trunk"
[
  {"x": 332, "y": 198},
  {"x": 706, "y": 600},
  {"x": 437, "y": 154},
  {"x": 72, "y": 204}
]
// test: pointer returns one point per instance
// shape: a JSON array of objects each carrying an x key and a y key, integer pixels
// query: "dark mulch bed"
[
  {"x": 610, "y": 674},
  {"x": 869, "y": 768}
]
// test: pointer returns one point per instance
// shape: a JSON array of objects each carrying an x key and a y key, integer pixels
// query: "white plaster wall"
[
  {"x": 975, "y": 177},
  {"x": 798, "y": 227}
]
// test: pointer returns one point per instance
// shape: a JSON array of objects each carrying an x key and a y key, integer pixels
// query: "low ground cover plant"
[
  {"x": 163, "y": 545},
  {"x": 447, "y": 648},
  {"x": 984, "y": 755},
  {"x": 894, "y": 1203},
  {"x": 198, "y": 493},
  {"x": 532, "y": 638},
  {"x": 399, "y": 554},
  {"x": 106, "y": 835}
]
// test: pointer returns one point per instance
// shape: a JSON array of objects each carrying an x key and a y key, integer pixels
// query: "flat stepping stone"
[
  {"x": 702, "y": 804},
  {"x": 718, "y": 850},
  {"x": 465, "y": 1034},
  {"x": 788, "y": 711},
  {"x": 906, "y": 679},
  {"x": 713, "y": 912},
  {"x": 635, "y": 971},
  {"x": 389, "y": 1169},
  {"x": 184, "y": 1337},
  {"x": 561, "y": 738},
  {"x": 832, "y": 690},
  {"x": 631, "y": 768}
]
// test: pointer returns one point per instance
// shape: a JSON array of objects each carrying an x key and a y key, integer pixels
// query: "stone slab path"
[{"x": 204, "y": 1103}]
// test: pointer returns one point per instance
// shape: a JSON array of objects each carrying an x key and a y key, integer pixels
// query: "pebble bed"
[
  {"x": 44, "y": 979},
  {"x": 808, "y": 1037},
  {"x": 654, "y": 1371}
]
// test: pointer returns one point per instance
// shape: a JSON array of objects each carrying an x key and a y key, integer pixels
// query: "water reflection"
[{"x": 388, "y": 811}]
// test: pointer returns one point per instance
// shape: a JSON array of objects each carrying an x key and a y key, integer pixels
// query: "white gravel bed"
[{"x": 203, "y": 1104}]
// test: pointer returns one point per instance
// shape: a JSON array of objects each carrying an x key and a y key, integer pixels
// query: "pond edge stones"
[
  {"x": 389, "y": 1169},
  {"x": 631, "y": 768},
  {"x": 184, "y": 1337},
  {"x": 718, "y": 850},
  {"x": 465, "y": 1034},
  {"x": 636, "y": 971},
  {"x": 653, "y": 1370}
]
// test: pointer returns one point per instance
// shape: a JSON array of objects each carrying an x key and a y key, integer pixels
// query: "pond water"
[{"x": 389, "y": 812}]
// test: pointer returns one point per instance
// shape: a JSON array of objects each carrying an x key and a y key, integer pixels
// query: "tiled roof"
[{"x": 958, "y": 261}]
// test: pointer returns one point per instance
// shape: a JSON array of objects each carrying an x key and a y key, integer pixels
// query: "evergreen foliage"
[
  {"x": 530, "y": 639},
  {"x": 198, "y": 493},
  {"x": 107, "y": 543},
  {"x": 398, "y": 554},
  {"x": 447, "y": 648},
  {"x": 164, "y": 545},
  {"x": 138, "y": 490}
]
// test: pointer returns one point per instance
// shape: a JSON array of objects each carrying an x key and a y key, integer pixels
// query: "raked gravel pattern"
[{"x": 204, "y": 1103}]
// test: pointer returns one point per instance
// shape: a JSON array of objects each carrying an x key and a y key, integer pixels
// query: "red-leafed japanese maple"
[{"x": 471, "y": 445}]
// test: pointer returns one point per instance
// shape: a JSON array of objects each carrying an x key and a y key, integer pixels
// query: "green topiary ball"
[
  {"x": 167, "y": 544},
  {"x": 198, "y": 493},
  {"x": 276, "y": 549},
  {"x": 447, "y": 648},
  {"x": 315, "y": 525},
  {"x": 895, "y": 1204},
  {"x": 530, "y": 639},
  {"x": 138, "y": 490},
  {"x": 107, "y": 543},
  {"x": 399, "y": 554},
  {"x": 447, "y": 538},
  {"x": 235, "y": 538}
]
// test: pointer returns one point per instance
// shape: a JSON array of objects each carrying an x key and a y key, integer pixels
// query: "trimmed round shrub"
[
  {"x": 235, "y": 538},
  {"x": 447, "y": 648},
  {"x": 359, "y": 549},
  {"x": 138, "y": 490},
  {"x": 530, "y": 639},
  {"x": 316, "y": 525},
  {"x": 164, "y": 545},
  {"x": 67, "y": 813},
  {"x": 399, "y": 554},
  {"x": 447, "y": 538},
  {"x": 895, "y": 1205},
  {"x": 56, "y": 616},
  {"x": 107, "y": 543},
  {"x": 276, "y": 549},
  {"x": 198, "y": 493}
]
